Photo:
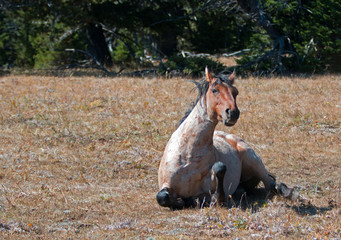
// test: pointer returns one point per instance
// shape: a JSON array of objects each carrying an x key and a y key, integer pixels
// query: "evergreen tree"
[
  {"x": 304, "y": 35},
  {"x": 290, "y": 35}
]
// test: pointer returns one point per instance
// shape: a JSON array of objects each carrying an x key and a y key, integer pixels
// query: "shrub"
[
  {"x": 311, "y": 27},
  {"x": 121, "y": 53}
]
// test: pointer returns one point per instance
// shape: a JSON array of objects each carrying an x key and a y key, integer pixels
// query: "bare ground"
[{"x": 79, "y": 158}]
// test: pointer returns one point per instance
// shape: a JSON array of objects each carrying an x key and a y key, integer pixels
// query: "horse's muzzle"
[
  {"x": 232, "y": 117},
  {"x": 229, "y": 123}
]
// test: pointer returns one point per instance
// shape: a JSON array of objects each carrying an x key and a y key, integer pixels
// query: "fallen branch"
[
  {"x": 238, "y": 53},
  {"x": 99, "y": 65}
]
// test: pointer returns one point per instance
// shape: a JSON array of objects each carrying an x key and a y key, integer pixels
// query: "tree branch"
[{"x": 99, "y": 65}]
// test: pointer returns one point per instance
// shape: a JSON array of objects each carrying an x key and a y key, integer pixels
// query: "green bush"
[
  {"x": 36, "y": 34},
  {"x": 259, "y": 43},
  {"x": 313, "y": 28},
  {"x": 121, "y": 53},
  {"x": 45, "y": 58}
]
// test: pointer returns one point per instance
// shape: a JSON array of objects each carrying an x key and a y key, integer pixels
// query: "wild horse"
[{"x": 202, "y": 164}]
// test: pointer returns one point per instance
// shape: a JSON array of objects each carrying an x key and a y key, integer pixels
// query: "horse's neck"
[{"x": 197, "y": 131}]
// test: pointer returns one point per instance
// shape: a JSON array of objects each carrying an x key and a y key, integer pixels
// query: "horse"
[{"x": 203, "y": 165}]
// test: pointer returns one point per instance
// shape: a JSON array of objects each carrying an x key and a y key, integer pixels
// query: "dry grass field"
[{"x": 79, "y": 158}]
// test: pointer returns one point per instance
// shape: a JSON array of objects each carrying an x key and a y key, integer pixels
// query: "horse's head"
[{"x": 221, "y": 98}]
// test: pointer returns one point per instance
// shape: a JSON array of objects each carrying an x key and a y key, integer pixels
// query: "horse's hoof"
[
  {"x": 286, "y": 192},
  {"x": 163, "y": 198}
]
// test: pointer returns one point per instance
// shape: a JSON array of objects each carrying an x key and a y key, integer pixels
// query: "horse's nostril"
[
  {"x": 232, "y": 114},
  {"x": 228, "y": 112}
]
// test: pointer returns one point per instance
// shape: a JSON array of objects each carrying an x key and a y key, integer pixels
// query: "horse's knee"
[
  {"x": 163, "y": 198},
  {"x": 219, "y": 170}
]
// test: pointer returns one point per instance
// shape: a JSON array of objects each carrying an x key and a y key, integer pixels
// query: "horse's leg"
[
  {"x": 253, "y": 171},
  {"x": 219, "y": 170},
  {"x": 165, "y": 198}
]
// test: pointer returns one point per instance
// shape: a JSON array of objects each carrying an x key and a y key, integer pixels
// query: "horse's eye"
[{"x": 215, "y": 90}]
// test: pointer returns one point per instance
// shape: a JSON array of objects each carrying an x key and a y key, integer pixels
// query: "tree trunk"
[
  {"x": 97, "y": 44},
  {"x": 280, "y": 41},
  {"x": 254, "y": 10},
  {"x": 168, "y": 43}
]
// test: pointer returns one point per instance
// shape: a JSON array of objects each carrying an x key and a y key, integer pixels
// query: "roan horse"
[{"x": 201, "y": 164}]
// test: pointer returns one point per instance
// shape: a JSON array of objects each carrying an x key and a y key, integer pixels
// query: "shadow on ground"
[{"x": 256, "y": 199}]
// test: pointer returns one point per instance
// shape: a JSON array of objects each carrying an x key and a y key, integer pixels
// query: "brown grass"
[
  {"x": 79, "y": 158},
  {"x": 226, "y": 61}
]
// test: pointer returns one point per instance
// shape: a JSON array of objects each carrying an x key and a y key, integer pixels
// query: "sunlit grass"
[{"x": 79, "y": 157}]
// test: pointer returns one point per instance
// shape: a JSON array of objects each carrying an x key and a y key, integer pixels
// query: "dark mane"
[{"x": 202, "y": 87}]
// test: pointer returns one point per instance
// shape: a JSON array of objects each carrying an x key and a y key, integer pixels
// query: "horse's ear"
[
  {"x": 232, "y": 77},
  {"x": 208, "y": 74}
]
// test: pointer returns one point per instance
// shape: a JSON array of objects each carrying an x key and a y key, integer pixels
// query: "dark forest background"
[{"x": 266, "y": 36}]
